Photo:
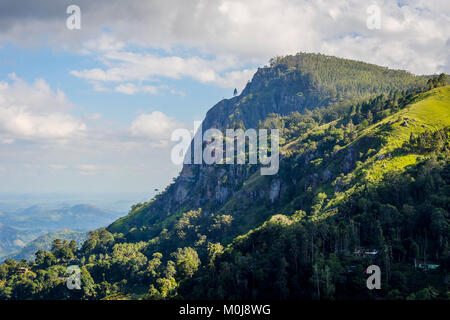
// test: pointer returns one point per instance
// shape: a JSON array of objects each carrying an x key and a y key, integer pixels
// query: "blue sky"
[
  {"x": 92, "y": 110},
  {"x": 189, "y": 102}
]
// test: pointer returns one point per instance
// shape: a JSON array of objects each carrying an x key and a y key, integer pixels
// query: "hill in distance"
[
  {"x": 22, "y": 226},
  {"x": 44, "y": 242}
]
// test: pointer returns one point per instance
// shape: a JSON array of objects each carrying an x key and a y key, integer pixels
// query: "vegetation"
[
  {"x": 44, "y": 242},
  {"x": 362, "y": 181}
]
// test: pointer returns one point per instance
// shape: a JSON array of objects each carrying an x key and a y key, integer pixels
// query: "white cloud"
[
  {"x": 34, "y": 111},
  {"x": 104, "y": 42},
  {"x": 131, "y": 88},
  {"x": 414, "y": 35},
  {"x": 234, "y": 34},
  {"x": 44, "y": 142},
  {"x": 130, "y": 66},
  {"x": 155, "y": 126}
]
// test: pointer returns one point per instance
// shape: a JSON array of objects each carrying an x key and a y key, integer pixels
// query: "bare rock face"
[
  {"x": 180, "y": 193},
  {"x": 186, "y": 172}
]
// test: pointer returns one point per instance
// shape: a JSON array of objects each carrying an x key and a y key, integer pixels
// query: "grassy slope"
[{"x": 431, "y": 111}]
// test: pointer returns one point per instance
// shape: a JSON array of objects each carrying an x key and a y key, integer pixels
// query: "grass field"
[{"x": 431, "y": 111}]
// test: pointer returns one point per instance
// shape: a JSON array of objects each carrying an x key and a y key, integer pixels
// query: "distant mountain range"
[
  {"x": 22, "y": 226},
  {"x": 44, "y": 242}
]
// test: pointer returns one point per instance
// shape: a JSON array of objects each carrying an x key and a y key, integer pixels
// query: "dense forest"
[{"x": 364, "y": 179}]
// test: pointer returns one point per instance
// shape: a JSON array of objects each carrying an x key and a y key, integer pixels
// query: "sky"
[{"x": 92, "y": 109}]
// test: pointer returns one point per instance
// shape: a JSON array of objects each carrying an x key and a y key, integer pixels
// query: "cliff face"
[
  {"x": 272, "y": 90},
  {"x": 281, "y": 89}
]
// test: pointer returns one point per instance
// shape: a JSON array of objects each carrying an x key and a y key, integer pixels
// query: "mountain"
[
  {"x": 364, "y": 179},
  {"x": 305, "y": 82},
  {"x": 78, "y": 217},
  {"x": 301, "y": 83},
  {"x": 22, "y": 226},
  {"x": 44, "y": 242},
  {"x": 10, "y": 239}
]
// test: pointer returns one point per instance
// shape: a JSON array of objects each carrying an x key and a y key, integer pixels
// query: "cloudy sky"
[{"x": 92, "y": 109}]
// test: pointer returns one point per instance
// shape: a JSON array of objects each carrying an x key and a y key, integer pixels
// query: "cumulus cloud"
[
  {"x": 34, "y": 111},
  {"x": 154, "y": 126},
  {"x": 129, "y": 66},
  {"x": 251, "y": 31},
  {"x": 40, "y": 140}
]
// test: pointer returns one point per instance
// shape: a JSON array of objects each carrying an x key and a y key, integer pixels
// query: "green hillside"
[
  {"x": 304, "y": 83},
  {"x": 361, "y": 181},
  {"x": 430, "y": 112},
  {"x": 396, "y": 205},
  {"x": 378, "y": 149}
]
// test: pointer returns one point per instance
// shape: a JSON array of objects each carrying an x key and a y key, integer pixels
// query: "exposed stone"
[{"x": 180, "y": 193}]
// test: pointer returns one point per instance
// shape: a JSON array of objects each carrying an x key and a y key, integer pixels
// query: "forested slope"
[{"x": 362, "y": 181}]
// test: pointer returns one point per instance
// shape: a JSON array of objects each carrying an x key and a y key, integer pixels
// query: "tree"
[
  {"x": 73, "y": 246},
  {"x": 57, "y": 244},
  {"x": 186, "y": 261},
  {"x": 214, "y": 249},
  {"x": 45, "y": 259},
  {"x": 442, "y": 79},
  {"x": 235, "y": 92},
  {"x": 23, "y": 289}
]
